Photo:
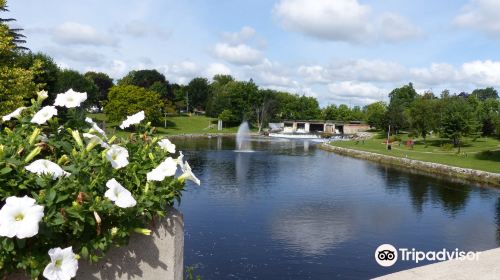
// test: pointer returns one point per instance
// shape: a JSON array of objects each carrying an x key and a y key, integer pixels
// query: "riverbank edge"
[
  {"x": 467, "y": 174},
  {"x": 205, "y": 135}
]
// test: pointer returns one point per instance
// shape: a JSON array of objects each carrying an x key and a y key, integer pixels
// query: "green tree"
[
  {"x": 375, "y": 114},
  {"x": 17, "y": 84},
  {"x": 400, "y": 100},
  {"x": 330, "y": 112},
  {"x": 71, "y": 79},
  {"x": 126, "y": 100},
  {"x": 103, "y": 83},
  {"x": 15, "y": 33},
  {"x": 458, "y": 120},
  {"x": 198, "y": 91},
  {"x": 142, "y": 78},
  {"x": 46, "y": 77},
  {"x": 485, "y": 93},
  {"x": 423, "y": 116}
]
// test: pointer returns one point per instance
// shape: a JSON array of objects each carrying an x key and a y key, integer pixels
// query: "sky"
[{"x": 339, "y": 51}]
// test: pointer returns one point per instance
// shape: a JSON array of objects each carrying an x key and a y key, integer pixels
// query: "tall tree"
[
  {"x": 375, "y": 114},
  {"x": 423, "y": 116},
  {"x": 103, "y": 83},
  {"x": 142, "y": 78},
  {"x": 198, "y": 90},
  {"x": 458, "y": 120},
  {"x": 16, "y": 83},
  {"x": 485, "y": 93},
  {"x": 400, "y": 100},
  {"x": 46, "y": 77},
  {"x": 15, "y": 33}
]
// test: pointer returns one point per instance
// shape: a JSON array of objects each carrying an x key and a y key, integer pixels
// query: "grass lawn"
[
  {"x": 482, "y": 154},
  {"x": 177, "y": 125}
]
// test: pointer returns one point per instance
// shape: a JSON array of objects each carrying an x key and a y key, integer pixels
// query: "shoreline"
[{"x": 471, "y": 175}]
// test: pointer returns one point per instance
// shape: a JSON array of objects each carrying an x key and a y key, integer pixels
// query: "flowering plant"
[{"x": 68, "y": 191}]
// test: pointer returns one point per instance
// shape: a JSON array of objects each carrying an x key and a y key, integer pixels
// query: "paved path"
[{"x": 487, "y": 267}]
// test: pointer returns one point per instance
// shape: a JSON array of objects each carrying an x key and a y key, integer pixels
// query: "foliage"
[
  {"x": 458, "y": 121},
  {"x": 485, "y": 93},
  {"x": 128, "y": 100},
  {"x": 14, "y": 33},
  {"x": 198, "y": 89},
  {"x": 103, "y": 83},
  {"x": 375, "y": 114},
  {"x": 76, "y": 211},
  {"x": 423, "y": 116},
  {"x": 142, "y": 78},
  {"x": 400, "y": 100},
  {"x": 16, "y": 83},
  {"x": 46, "y": 77}
]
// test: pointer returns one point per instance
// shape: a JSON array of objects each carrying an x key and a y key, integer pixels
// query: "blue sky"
[{"x": 340, "y": 51}]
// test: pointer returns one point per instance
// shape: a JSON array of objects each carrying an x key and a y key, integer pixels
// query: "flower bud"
[
  {"x": 114, "y": 231},
  {"x": 97, "y": 218},
  {"x": 74, "y": 152},
  {"x": 142, "y": 231},
  {"x": 62, "y": 160},
  {"x": 42, "y": 95},
  {"x": 112, "y": 139},
  {"x": 2, "y": 151},
  {"x": 76, "y": 136},
  {"x": 151, "y": 156},
  {"x": 32, "y": 154},
  {"x": 93, "y": 142},
  {"x": 34, "y": 135}
]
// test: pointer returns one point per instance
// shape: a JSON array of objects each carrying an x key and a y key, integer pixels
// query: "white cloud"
[
  {"x": 343, "y": 20},
  {"x": 395, "y": 28},
  {"x": 482, "y": 15},
  {"x": 140, "y": 29},
  {"x": 339, "y": 20},
  {"x": 482, "y": 73},
  {"x": 314, "y": 73},
  {"x": 354, "y": 92},
  {"x": 74, "y": 33},
  {"x": 90, "y": 58},
  {"x": 437, "y": 73},
  {"x": 238, "y": 54},
  {"x": 181, "y": 72},
  {"x": 245, "y": 34},
  {"x": 215, "y": 69}
]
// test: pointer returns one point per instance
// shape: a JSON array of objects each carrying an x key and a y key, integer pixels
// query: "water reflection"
[
  {"x": 291, "y": 211},
  {"x": 424, "y": 189},
  {"x": 312, "y": 229}
]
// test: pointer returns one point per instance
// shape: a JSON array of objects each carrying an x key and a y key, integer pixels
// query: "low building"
[{"x": 320, "y": 126}]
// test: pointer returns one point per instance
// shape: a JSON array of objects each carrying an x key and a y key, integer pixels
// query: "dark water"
[{"x": 292, "y": 211}]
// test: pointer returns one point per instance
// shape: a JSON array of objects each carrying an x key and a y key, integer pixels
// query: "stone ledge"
[
  {"x": 429, "y": 167},
  {"x": 154, "y": 257}
]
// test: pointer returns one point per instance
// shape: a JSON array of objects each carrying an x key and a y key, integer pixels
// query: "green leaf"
[{"x": 5, "y": 170}]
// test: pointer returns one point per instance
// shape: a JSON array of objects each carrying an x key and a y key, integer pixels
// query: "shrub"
[
  {"x": 86, "y": 192},
  {"x": 127, "y": 100}
]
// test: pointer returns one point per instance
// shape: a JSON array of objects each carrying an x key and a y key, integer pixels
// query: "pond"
[{"x": 289, "y": 210}]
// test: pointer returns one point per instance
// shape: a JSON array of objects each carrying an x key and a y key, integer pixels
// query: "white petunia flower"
[
  {"x": 44, "y": 114},
  {"x": 63, "y": 264},
  {"x": 118, "y": 156},
  {"x": 42, "y": 95},
  {"x": 70, "y": 99},
  {"x": 167, "y": 168},
  {"x": 167, "y": 146},
  {"x": 134, "y": 119},
  {"x": 15, "y": 114},
  {"x": 96, "y": 127},
  {"x": 20, "y": 217},
  {"x": 187, "y": 174},
  {"x": 120, "y": 195},
  {"x": 43, "y": 166},
  {"x": 96, "y": 138}
]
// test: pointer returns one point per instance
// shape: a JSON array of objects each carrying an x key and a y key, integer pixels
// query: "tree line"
[{"x": 23, "y": 73}]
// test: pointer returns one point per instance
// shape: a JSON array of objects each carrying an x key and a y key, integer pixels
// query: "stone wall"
[
  {"x": 429, "y": 167},
  {"x": 154, "y": 257}
]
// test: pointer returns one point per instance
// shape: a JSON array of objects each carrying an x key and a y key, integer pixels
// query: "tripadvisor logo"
[{"x": 387, "y": 255}]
